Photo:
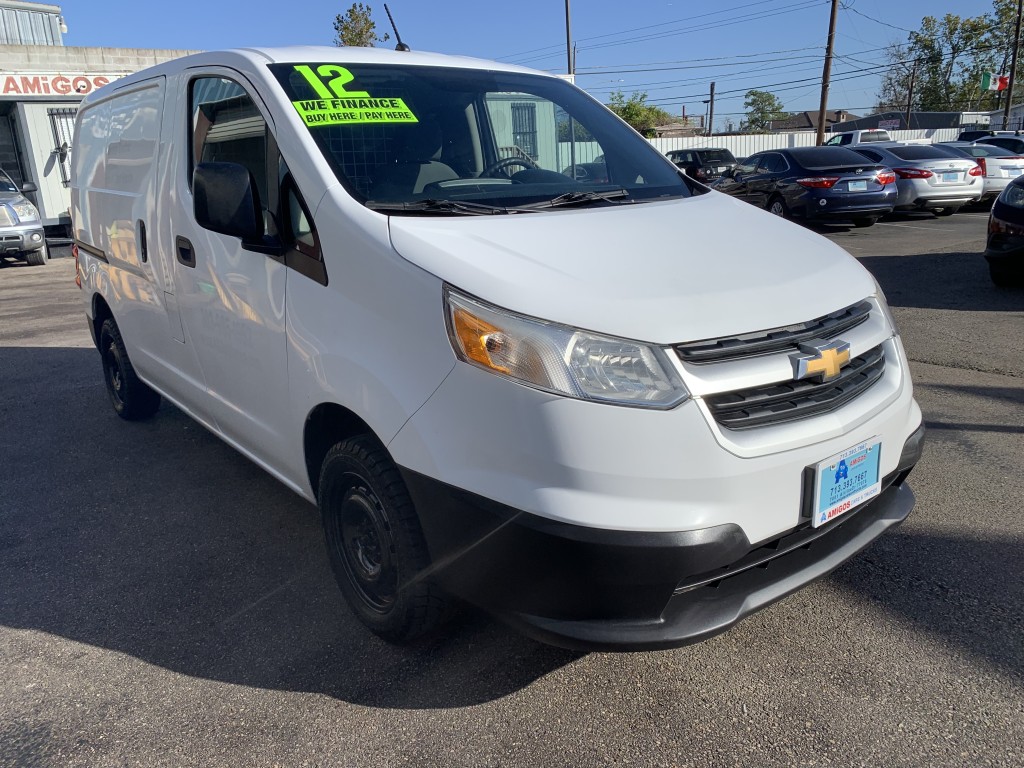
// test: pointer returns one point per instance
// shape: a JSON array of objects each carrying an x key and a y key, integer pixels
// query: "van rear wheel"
[
  {"x": 132, "y": 399},
  {"x": 375, "y": 543}
]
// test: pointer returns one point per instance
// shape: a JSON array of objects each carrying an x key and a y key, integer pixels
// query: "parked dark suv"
[{"x": 703, "y": 164}]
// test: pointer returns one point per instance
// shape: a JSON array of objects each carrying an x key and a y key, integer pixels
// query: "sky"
[{"x": 670, "y": 50}]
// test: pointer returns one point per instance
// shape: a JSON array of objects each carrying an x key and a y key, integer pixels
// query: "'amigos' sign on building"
[{"x": 52, "y": 84}]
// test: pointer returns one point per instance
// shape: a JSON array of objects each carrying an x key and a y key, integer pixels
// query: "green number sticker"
[{"x": 337, "y": 106}]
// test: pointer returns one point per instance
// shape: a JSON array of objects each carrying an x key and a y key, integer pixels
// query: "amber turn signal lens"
[{"x": 477, "y": 338}]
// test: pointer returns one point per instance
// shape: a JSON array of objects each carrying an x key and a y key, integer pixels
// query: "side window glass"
[
  {"x": 767, "y": 164},
  {"x": 227, "y": 127},
  {"x": 846, "y": 139}
]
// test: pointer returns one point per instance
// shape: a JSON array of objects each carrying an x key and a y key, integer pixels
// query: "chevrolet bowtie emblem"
[{"x": 822, "y": 359}]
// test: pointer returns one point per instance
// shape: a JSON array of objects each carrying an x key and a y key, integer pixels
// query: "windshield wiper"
[
  {"x": 580, "y": 197},
  {"x": 432, "y": 205}
]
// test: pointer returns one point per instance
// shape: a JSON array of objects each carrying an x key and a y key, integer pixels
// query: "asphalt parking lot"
[{"x": 165, "y": 602}]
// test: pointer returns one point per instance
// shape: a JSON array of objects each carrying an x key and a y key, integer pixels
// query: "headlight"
[
  {"x": 25, "y": 210},
  {"x": 1013, "y": 196},
  {"x": 556, "y": 358},
  {"x": 880, "y": 298}
]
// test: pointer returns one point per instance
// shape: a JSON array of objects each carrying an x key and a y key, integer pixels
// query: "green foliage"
[
  {"x": 356, "y": 27},
  {"x": 638, "y": 113},
  {"x": 950, "y": 55},
  {"x": 762, "y": 107}
]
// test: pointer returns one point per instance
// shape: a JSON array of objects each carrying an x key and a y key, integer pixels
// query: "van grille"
[
  {"x": 784, "y": 401},
  {"x": 786, "y": 338}
]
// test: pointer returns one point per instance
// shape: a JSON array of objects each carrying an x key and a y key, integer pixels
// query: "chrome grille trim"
[{"x": 790, "y": 400}]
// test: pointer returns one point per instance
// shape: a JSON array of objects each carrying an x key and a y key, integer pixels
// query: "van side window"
[
  {"x": 227, "y": 127},
  {"x": 298, "y": 232}
]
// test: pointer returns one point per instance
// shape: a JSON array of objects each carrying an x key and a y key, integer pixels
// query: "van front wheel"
[
  {"x": 375, "y": 543},
  {"x": 131, "y": 398}
]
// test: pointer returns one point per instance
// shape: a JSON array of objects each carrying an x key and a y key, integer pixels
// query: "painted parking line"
[{"x": 911, "y": 226}]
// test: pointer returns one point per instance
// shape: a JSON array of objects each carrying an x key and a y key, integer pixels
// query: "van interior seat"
[{"x": 416, "y": 164}]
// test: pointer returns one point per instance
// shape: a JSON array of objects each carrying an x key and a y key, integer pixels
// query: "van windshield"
[{"x": 452, "y": 141}]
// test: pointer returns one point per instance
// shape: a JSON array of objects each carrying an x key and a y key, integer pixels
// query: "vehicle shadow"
[
  {"x": 965, "y": 591},
  {"x": 957, "y": 281},
  {"x": 156, "y": 540}
]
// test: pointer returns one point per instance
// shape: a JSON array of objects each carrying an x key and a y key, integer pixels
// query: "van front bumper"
[{"x": 598, "y": 589}]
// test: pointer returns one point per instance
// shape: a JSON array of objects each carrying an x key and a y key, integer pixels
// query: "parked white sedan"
[{"x": 999, "y": 165}]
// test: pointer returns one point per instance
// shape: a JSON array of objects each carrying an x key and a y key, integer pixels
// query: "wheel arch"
[
  {"x": 100, "y": 313},
  {"x": 327, "y": 425}
]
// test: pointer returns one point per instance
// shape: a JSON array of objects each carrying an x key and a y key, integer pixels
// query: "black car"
[
  {"x": 814, "y": 183},
  {"x": 704, "y": 164},
  {"x": 1013, "y": 143},
  {"x": 1004, "y": 251}
]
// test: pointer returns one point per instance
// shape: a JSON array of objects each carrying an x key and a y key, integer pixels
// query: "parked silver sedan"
[
  {"x": 928, "y": 178},
  {"x": 999, "y": 165}
]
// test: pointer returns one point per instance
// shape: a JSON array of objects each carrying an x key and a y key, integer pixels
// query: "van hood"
[{"x": 660, "y": 272}]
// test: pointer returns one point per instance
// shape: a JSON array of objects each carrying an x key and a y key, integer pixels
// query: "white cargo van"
[{"x": 622, "y": 411}]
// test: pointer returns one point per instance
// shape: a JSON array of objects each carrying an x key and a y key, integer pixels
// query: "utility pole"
[
  {"x": 1013, "y": 70},
  {"x": 826, "y": 73},
  {"x": 711, "y": 110},
  {"x": 910, "y": 93},
  {"x": 570, "y": 69}
]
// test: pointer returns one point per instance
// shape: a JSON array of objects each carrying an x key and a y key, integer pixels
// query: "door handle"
[
  {"x": 184, "y": 251},
  {"x": 143, "y": 248}
]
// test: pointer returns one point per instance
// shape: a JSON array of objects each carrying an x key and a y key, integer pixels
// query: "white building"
[{"x": 41, "y": 83}]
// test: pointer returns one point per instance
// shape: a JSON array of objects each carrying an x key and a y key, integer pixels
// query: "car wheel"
[
  {"x": 946, "y": 211},
  {"x": 37, "y": 258},
  {"x": 865, "y": 221},
  {"x": 375, "y": 543},
  {"x": 777, "y": 207},
  {"x": 131, "y": 397}
]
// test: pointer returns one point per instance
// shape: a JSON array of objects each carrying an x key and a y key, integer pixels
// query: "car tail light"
[
  {"x": 886, "y": 177},
  {"x": 818, "y": 182},
  {"x": 78, "y": 274},
  {"x": 979, "y": 169},
  {"x": 912, "y": 173}
]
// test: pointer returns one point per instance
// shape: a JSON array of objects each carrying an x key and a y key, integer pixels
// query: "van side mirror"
[
  {"x": 29, "y": 186},
  {"x": 225, "y": 200}
]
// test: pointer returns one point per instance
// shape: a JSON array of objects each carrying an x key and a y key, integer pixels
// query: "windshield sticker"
[{"x": 338, "y": 106}]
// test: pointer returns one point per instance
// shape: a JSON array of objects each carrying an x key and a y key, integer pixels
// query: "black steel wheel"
[
  {"x": 131, "y": 397},
  {"x": 375, "y": 543}
]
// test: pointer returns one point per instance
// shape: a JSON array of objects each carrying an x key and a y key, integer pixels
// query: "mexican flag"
[{"x": 990, "y": 81}]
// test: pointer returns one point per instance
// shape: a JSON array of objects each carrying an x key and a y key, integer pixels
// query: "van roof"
[{"x": 253, "y": 58}]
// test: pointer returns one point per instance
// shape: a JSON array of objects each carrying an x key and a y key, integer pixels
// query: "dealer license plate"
[
  {"x": 858, "y": 186},
  {"x": 845, "y": 480},
  {"x": 946, "y": 177}
]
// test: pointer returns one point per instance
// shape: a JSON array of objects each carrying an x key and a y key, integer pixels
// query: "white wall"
[{"x": 744, "y": 146}]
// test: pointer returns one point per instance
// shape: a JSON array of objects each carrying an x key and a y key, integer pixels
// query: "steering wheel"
[{"x": 508, "y": 162}]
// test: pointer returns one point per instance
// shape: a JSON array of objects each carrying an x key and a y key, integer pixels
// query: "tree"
[
  {"x": 949, "y": 56},
  {"x": 762, "y": 107},
  {"x": 638, "y": 113},
  {"x": 356, "y": 27}
]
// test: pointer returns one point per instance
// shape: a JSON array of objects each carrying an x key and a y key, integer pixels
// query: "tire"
[
  {"x": 945, "y": 211},
  {"x": 132, "y": 399},
  {"x": 865, "y": 221},
  {"x": 375, "y": 543},
  {"x": 37, "y": 258},
  {"x": 777, "y": 207}
]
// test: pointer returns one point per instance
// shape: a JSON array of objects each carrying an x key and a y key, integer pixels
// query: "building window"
[
  {"x": 524, "y": 128},
  {"x": 62, "y": 123}
]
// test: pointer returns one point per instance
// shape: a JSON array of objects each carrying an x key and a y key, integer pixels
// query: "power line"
[{"x": 638, "y": 29}]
